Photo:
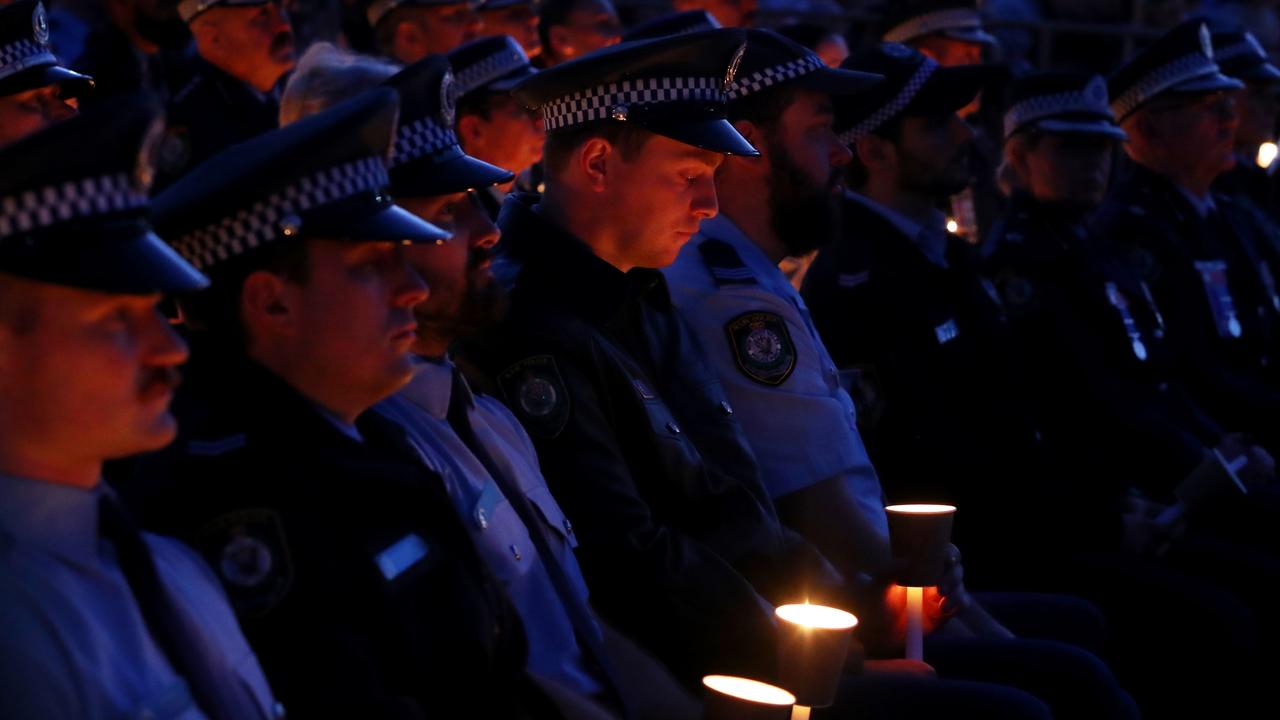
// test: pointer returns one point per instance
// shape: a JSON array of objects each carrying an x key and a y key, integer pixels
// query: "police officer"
[
  {"x": 516, "y": 18},
  {"x": 492, "y": 125},
  {"x": 35, "y": 89},
  {"x": 1258, "y": 102},
  {"x": 1200, "y": 254},
  {"x": 905, "y": 314},
  {"x": 951, "y": 33},
  {"x": 246, "y": 50},
  {"x": 677, "y": 535},
  {"x": 728, "y": 13},
  {"x": 408, "y": 30},
  {"x": 134, "y": 45},
  {"x": 100, "y": 620},
  {"x": 784, "y": 387},
  {"x": 1092, "y": 339},
  {"x": 348, "y": 567},
  {"x": 572, "y": 28}
]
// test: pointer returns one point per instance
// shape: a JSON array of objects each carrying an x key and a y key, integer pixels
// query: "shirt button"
[
  {"x": 278, "y": 711},
  {"x": 515, "y": 552},
  {"x": 568, "y": 526},
  {"x": 675, "y": 429},
  {"x": 483, "y": 519},
  {"x": 725, "y": 407}
]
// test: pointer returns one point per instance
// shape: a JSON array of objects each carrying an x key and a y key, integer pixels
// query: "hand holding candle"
[{"x": 920, "y": 538}]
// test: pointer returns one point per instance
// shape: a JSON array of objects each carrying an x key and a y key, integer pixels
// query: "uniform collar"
[
  {"x": 433, "y": 385},
  {"x": 765, "y": 270},
  {"x": 931, "y": 239},
  {"x": 556, "y": 264},
  {"x": 61, "y": 519}
]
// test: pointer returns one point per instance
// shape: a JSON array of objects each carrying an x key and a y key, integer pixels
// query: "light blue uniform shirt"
[
  {"x": 497, "y": 531},
  {"x": 803, "y": 430},
  {"x": 73, "y": 643}
]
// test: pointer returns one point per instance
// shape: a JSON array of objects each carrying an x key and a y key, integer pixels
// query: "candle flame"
[
  {"x": 921, "y": 509},
  {"x": 1267, "y": 152},
  {"x": 817, "y": 616},
  {"x": 750, "y": 690}
]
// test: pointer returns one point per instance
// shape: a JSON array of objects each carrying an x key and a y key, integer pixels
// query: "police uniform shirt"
[
  {"x": 75, "y": 644},
  {"x": 497, "y": 531},
  {"x": 783, "y": 385}
]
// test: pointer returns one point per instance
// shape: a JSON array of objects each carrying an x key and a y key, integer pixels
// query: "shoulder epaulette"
[{"x": 724, "y": 263}]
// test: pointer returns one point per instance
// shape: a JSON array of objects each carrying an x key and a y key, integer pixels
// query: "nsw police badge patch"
[
  {"x": 762, "y": 347},
  {"x": 248, "y": 551},
  {"x": 534, "y": 389}
]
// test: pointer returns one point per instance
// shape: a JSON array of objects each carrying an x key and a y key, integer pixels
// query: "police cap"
[
  {"x": 905, "y": 21},
  {"x": 1180, "y": 61},
  {"x": 913, "y": 85},
  {"x": 26, "y": 61},
  {"x": 495, "y": 64},
  {"x": 1240, "y": 55},
  {"x": 674, "y": 86},
  {"x": 772, "y": 59},
  {"x": 426, "y": 158},
  {"x": 681, "y": 23},
  {"x": 1060, "y": 102},
  {"x": 324, "y": 176},
  {"x": 73, "y": 204}
]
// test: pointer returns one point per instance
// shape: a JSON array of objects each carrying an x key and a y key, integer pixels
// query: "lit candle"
[
  {"x": 814, "y": 643},
  {"x": 919, "y": 536},
  {"x": 738, "y": 698},
  {"x": 1266, "y": 155}
]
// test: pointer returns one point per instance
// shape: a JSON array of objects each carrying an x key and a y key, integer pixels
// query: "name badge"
[
  {"x": 947, "y": 331},
  {"x": 402, "y": 555},
  {"x": 1213, "y": 273}
]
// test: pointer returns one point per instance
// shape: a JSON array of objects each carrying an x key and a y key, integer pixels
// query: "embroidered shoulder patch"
[
  {"x": 762, "y": 347},
  {"x": 247, "y": 549},
  {"x": 536, "y": 392}
]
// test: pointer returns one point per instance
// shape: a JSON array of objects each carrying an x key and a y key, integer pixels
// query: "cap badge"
[
  {"x": 448, "y": 98},
  {"x": 1206, "y": 41},
  {"x": 619, "y": 113},
  {"x": 1096, "y": 90},
  {"x": 732, "y": 72},
  {"x": 40, "y": 24}
]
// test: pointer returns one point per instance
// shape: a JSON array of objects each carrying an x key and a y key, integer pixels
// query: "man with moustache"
[
  {"x": 245, "y": 50},
  {"x": 351, "y": 574},
  {"x": 491, "y": 124},
  {"x": 1203, "y": 257},
  {"x": 408, "y": 30},
  {"x": 99, "y": 619},
  {"x": 36, "y": 91}
]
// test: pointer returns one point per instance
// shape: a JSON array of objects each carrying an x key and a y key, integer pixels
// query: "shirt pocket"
[
  {"x": 500, "y": 535},
  {"x": 549, "y": 510}
]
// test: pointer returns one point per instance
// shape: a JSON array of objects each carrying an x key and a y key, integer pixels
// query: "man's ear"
[
  {"x": 594, "y": 158},
  {"x": 264, "y": 304},
  {"x": 874, "y": 152},
  {"x": 469, "y": 130}
]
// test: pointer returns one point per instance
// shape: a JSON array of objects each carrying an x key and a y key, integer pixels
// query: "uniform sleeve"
[
  {"x": 802, "y": 427},
  {"x": 657, "y": 584}
]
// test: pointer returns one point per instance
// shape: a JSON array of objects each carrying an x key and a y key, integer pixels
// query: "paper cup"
[
  {"x": 813, "y": 645},
  {"x": 738, "y": 698},
  {"x": 919, "y": 536}
]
